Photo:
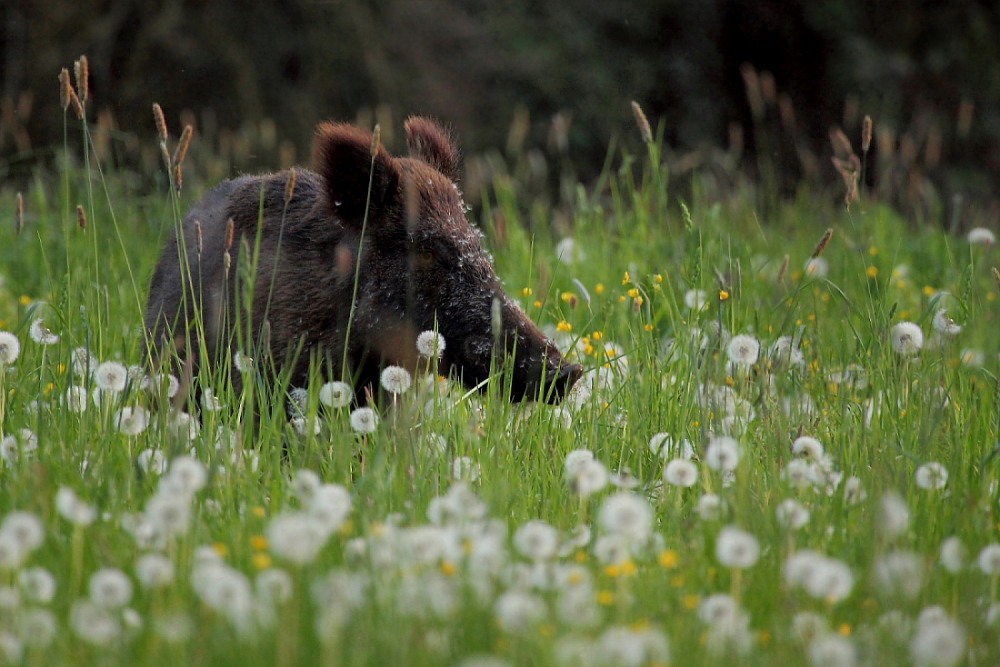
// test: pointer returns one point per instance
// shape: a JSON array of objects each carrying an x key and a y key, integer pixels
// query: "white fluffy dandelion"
[
  {"x": 710, "y": 507},
  {"x": 518, "y": 611},
  {"x": 743, "y": 350},
  {"x": 41, "y": 334},
  {"x": 696, "y": 299},
  {"x": 626, "y": 514},
  {"x": 110, "y": 588},
  {"x": 536, "y": 540},
  {"x": 817, "y": 267},
  {"x": 722, "y": 453},
  {"x": 809, "y": 447},
  {"x": 336, "y": 394},
  {"x": 953, "y": 555},
  {"x": 396, "y": 379},
  {"x": 989, "y": 559},
  {"x": 894, "y": 515},
  {"x": 243, "y": 363},
  {"x": 154, "y": 571},
  {"x": 980, "y": 236},
  {"x": 907, "y": 338},
  {"x": 900, "y": 573},
  {"x": 944, "y": 325},
  {"x": 792, "y": 514},
  {"x": 73, "y": 509},
  {"x": 10, "y": 348},
  {"x": 831, "y": 650},
  {"x": 364, "y": 420},
  {"x": 587, "y": 477},
  {"x": 666, "y": 446},
  {"x": 132, "y": 420},
  {"x": 681, "y": 472},
  {"x": 932, "y": 476},
  {"x": 111, "y": 376},
  {"x": 736, "y": 548},
  {"x": 784, "y": 352},
  {"x": 939, "y": 642},
  {"x": 296, "y": 537},
  {"x": 430, "y": 344}
]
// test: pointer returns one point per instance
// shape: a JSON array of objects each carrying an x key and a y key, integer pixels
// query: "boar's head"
[{"x": 423, "y": 266}]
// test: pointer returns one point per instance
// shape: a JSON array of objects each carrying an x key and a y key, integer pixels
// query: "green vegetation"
[{"x": 874, "y": 543}]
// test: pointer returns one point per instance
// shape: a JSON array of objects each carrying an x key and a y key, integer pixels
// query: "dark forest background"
[{"x": 254, "y": 77}]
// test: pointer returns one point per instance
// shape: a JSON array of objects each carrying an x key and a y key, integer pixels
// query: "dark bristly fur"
[{"x": 420, "y": 269}]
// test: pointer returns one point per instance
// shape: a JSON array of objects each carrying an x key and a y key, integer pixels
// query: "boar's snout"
[{"x": 535, "y": 368}]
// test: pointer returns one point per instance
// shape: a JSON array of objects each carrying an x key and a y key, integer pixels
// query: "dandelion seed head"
[
  {"x": 907, "y": 338},
  {"x": 710, "y": 507},
  {"x": 536, "y": 540},
  {"x": 989, "y": 559},
  {"x": 111, "y": 376},
  {"x": 894, "y": 515},
  {"x": 953, "y": 555},
  {"x": 73, "y": 509},
  {"x": 243, "y": 363},
  {"x": 743, "y": 350},
  {"x": 364, "y": 420},
  {"x": 430, "y": 344},
  {"x": 792, "y": 514},
  {"x": 944, "y": 325},
  {"x": 831, "y": 650},
  {"x": 681, "y": 472},
  {"x": 154, "y": 571},
  {"x": 41, "y": 334},
  {"x": 25, "y": 528},
  {"x": 784, "y": 352},
  {"x": 396, "y": 379},
  {"x": 132, "y": 420},
  {"x": 932, "y": 476},
  {"x": 626, "y": 514},
  {"x": 817, "y": 267},
  {"x": 463, "y": 468},
  {"x": 666, "y": 447},
  {"x": 808, "y": 447},
  {"x": 10, "y": 348},
  {"x": 696, "y": 299},
  {"x": 980, "y": 236},
  {"x": 110, "y": 588},
  {"x": 94, "y": 624},
  {"x": 736, "y": 548},
  {"x": 336, "y": 394},
  {"x": 938, "y": 643},
  {"x": 37, "y": 584},
  {"x": 900, "y": 573},
  {"x": 722, "y": 453}
]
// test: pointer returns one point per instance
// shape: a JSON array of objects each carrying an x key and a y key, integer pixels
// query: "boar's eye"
[
  {"x": 424, "y": 260},
  {"x": 434, "y": 252}
]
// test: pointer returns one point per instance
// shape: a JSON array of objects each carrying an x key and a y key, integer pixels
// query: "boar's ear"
[
  {"x": 431, "y": 143},
  {"x": 343, "y": 156}
]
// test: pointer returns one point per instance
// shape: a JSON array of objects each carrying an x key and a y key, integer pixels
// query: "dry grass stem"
[
  {"x": 230, "y": 231},
  {"x": 376, "y": 139},
  {"x": 161, "y": 124},
  {"x": 640, "y": 119},
  {"x": 293, "y": 176},
  {"x": 197, "y": 233},
  {"x": 65, "y": 89},
  {"x": 182, "y": 145},
  {"x": 784, "y": 270},
  {"x": 81, "y": 216},
  {"x": 866, "y": 134},
  {"x": 821, "y": 246},
  {"x": 996, "y": 277},
  {"x": 18, "y": 214},
  {"x": 82, "y": 70}
]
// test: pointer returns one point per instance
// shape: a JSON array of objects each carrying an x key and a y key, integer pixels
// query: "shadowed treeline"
[{"x": 920, "y": 69}]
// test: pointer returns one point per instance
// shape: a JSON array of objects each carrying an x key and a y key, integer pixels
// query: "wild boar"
[{"x": 271, "y": 265}]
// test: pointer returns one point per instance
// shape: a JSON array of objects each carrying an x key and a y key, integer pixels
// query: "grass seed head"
[
  {"x": 161, "y": 124},
  {"x": 866, "y": 134},
  {"x": 19, "y": 214},
  {"x": 65, "y": 89},
  {"x": 81, "y": 216},
  {"x": 640, "y": 119},
  {"x": 821, "y": 246},
  {"x": 82, "y": 70},
  {"x": 182, "y": 145}
]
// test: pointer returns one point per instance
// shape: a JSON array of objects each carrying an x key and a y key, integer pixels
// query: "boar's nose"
[{"x": 568, "y": 375}]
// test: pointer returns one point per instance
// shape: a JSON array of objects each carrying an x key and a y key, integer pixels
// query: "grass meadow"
[{"x": 783, "y": 452}]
